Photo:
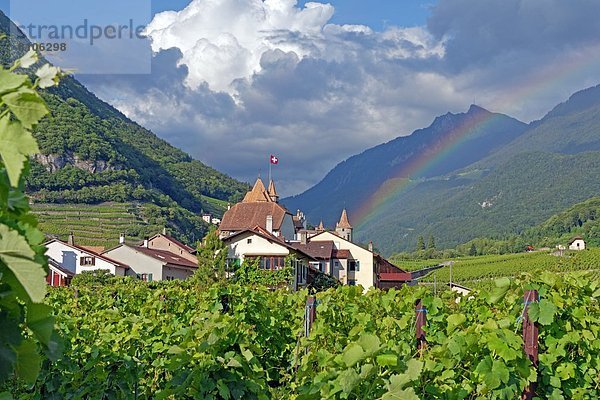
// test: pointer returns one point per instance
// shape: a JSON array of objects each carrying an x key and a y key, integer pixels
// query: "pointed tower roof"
[
  {"x": 344, "y": 223},
  {"x": 272, "y": 192},
  {"x": 321, "y": 227},
  {"x": 257, "y": 194}
]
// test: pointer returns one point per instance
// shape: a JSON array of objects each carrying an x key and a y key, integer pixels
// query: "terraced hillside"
[{"x": 102, "y": 224}]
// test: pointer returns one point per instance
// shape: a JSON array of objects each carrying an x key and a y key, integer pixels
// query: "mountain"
[
  {"x": 516, "y": 177},
  {"x": 461, "y": 139},
  {"x": 92, "y": 153}
]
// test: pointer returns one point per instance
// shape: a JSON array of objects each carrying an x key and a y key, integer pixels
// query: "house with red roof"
[
  {"x": 158, "y": 258},
  {"x": 69, "y": 259}
]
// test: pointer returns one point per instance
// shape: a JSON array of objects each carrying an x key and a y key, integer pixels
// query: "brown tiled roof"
[
  {"x": 342, "y": 254},
  {"x": 175, "y": 241},
  {"x": 167, "y": 257},
  {"x": 344, "y": 223},
  {"x": 257, "y": 194},
  {"x": 95, "y": 249},
  {"x": 272, "y": 192},
  {"x": 387, "y": 267},
  {"x": 248, "y": 215},
  {"x": 320, "y": 250}
]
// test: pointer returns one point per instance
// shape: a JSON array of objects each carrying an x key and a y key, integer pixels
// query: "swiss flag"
[{"x": 274, "y": 160}]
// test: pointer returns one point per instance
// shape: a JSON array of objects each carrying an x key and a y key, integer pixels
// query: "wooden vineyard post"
[
  {"x": 530, "y": 340},
  {"x": 310, "y": 314},
  {"x": 421, "y": 314}
]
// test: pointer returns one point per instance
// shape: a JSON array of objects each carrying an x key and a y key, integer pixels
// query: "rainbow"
[
  {"x": 537, "y": 83},
  {"x": 419, "y": 164}
]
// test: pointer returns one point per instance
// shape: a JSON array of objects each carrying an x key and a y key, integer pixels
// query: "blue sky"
[{"x": 375, "y": 13}]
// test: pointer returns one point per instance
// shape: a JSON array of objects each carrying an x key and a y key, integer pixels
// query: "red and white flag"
[{"x": 274, "y": 160}]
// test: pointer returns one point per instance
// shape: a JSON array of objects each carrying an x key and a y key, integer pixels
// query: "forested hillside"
[
  {"x": 461, "y": 139},
  {"x": 91, "y": 153}
]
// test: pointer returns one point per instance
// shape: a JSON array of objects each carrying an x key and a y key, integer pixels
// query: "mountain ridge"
[{"x": 460, "y": 204}]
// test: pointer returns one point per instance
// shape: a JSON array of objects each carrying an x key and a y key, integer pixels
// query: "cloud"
[{"x": 236, "y": 80}]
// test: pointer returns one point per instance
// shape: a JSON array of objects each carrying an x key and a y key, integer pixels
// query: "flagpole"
[{"x": 270, "y": 166}]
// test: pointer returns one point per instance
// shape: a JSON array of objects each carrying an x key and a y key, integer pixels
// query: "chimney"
[
  {"x": 71, "y": 240},
  {"x": 165, "y": 230},
  {"x": 146, "y": 242},
  {"x": 122, "y": 238},
  {"x": 371, "y": 246},
  {"x": 228, "y": 206},
  {"x": 303, "y": 237},
  {"x": 270, "y": 223}
]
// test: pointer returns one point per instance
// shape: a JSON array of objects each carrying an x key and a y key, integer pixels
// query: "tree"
[
  {"x": 431, "y": 242},
  {"x": 473, "y": 250},
  {"x": 212, "y": 259},
  {"x": 27, "y": 324},
  {"x": 420, "y": 243}
]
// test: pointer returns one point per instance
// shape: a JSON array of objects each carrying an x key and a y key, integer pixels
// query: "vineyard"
[
  {"x": 101, "y": 225},
  {"x": 480, "y": 271},
  {"x": 173, "y": 340}
]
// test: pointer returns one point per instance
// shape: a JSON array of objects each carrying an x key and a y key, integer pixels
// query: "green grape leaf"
[
  {"x": 389, "y": 360},
  {"x": 353, "y": 354},
  {"x": 40, "y": 321},
  {"x": 455, "y": 320},
  {"x": 16, "y": 144},
  {"x": 5, "y": 396},
  {"x": 28, "y": 361},
  {"x": 542, "y": 312},
  {"x": 18, "y": 257},
  {"x": 10, "y": 81},
  {"x": 27, "y": 106},
  {"x": 369, "y": 343}
]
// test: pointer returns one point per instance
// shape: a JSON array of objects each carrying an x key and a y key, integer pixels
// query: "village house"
[
  {"x": 69, "y": 259},
  {"x": 270, "y": 250},
  {"x": 158, "y": 258},
  {"x": 577, "y": 243}
]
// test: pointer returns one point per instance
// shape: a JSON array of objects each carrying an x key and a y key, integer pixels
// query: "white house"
[
  {"x": 153, "y": 264},
  {"x": 272, "y": 251},
  {"x": 77, "y": 259},
  {"x": 577, "y": 243}
]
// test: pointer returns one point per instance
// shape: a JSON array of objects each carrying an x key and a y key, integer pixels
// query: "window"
[
  {"x": 169, "y": 278},
  {"x": 353, "y": 265},
  {"x": 249, "y": 241},
  {"x": 272, "y": 263},
  {"x": 145, "y": 277},
  {"x": 87, "y": 261},
  {"x": 352, "y": 282}
]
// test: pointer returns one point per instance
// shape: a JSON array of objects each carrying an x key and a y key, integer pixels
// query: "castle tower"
[
  {"x": 272, "y": 192},
  {"x": 258, "y": 194},
  {"x": 343, "y": 228}
]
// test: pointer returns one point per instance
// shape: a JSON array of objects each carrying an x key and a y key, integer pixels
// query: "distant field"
[
  {"x": 478, "y": 272},
  {"x": 98, "y": 225}
]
